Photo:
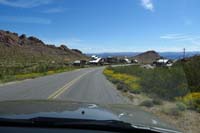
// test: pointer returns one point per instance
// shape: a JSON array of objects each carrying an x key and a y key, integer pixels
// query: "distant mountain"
[
  {"x": 15, "y": 48},
  {"x": 170, "y": 55},
  {"x": 178, "y": 55},
  {"x": 107, "y": 54}
]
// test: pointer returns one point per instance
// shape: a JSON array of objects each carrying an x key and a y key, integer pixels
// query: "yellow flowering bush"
[
  {"x": 50, "y": 72},
  {"x": 129, "y": 80},
  {"x": 192, "y": 100},
  {"x": 108, "y": 72},
  {"x": 25, "y": 76}
]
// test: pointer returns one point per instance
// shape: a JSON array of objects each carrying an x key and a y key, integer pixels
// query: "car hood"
[{"x": 78, "y": 110}]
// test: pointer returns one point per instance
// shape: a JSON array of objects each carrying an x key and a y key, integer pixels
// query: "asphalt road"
[{"x": 85, "y": 85}]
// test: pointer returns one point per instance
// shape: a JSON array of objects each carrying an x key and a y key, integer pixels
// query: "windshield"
[{"x": 135, "y": 61}]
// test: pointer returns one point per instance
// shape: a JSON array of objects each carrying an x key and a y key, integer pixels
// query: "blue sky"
[{"x": 107, "y": 25}]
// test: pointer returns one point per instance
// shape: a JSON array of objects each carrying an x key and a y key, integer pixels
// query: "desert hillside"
[{"x": 20, "y": 48}]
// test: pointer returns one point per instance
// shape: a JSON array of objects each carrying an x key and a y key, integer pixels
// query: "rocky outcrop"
[{"x": 14, "y": 47}]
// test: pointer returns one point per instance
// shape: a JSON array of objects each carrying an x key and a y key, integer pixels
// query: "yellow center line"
[{"x": 65, "y": 87}]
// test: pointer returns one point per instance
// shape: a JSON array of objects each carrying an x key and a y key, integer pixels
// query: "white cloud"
[
  {"x": 19, "y": 19},
  {"x": 174, "y": 36},
  {"x": 54, "y": 10},
  {"x": 148, "y": 4},
  {"x": 24, "y": 3},
  {"x": 184, "y": 38}
]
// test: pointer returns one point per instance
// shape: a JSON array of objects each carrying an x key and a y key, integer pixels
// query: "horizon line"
[{"x": 140, "y": 52}]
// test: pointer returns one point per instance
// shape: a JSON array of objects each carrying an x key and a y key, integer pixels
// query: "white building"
[{"x": 163, "y": 62}]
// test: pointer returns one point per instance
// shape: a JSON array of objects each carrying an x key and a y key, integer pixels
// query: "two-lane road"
[{"x": 85, "y": 85}]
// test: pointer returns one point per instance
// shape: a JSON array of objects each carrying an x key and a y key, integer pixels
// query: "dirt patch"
[{"x": 187, "y": 121}]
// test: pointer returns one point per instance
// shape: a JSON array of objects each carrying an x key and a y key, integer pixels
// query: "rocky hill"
[
  {"x": 147, "y": 57},
  {"x": 20, "y": 48}
]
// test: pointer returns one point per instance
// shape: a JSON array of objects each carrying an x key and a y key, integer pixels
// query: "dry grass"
[{"x": 34, "y": 75}]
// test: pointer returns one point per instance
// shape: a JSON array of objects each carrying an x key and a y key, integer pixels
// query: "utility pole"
[{"x": 183, "y": 53}]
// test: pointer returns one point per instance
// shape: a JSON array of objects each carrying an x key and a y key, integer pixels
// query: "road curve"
[{"x": 85, "y": 85}]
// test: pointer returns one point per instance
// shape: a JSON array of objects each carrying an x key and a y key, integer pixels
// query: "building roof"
[
  {"x": 162, "y": 60},
  {"x": 77, "y": 62},
  {"x": 95, "y": 61}
]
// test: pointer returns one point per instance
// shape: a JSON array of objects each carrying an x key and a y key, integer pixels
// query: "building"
[
  {"x": 163, "y": 62},
  {"x": 97, "y": 61},
  {"x": 127, "y": 61},
  {"x": 134, "y": 61},
  {"x": 79, "y": 62},
  {"x": 112, "y": 60}
]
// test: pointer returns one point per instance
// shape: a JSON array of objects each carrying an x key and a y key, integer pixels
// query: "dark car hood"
[{"x": 78, "y": 110}]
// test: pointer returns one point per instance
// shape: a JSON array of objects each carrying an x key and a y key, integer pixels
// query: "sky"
[{"x": 96, "y": 26}]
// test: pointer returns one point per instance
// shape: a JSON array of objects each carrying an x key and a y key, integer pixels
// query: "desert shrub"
[
  {"x": 191, "y": 68},
  {"x": 165, "y": 83},
  {"x": 147, "y": 103},
  {"x": 157, "y": 101},
  {"x": 173, "y": 111},
  {"x": 135, "y": 91},
  {"x": 122, "y": 87},
  {"x": 114, "y": 81},
  {"x": 7, "y": 78},
  {"x": 181, "y": 106}
]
